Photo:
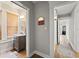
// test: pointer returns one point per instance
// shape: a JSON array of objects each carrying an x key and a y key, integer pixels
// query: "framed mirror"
[{"x": 41, "y": 20}]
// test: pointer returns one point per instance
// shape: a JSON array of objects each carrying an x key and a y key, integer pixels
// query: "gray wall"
[
  {"x": 71, "y": 31},
  {"x": 30, "y": 5},
  {"x": 76, "y": 27},
  {"x": 42, "y": 43}
]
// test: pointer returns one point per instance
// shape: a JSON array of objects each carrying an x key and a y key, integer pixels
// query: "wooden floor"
[
  {"x": 20, "y": 54},
  {"x": 58, "y": 54},
  {"x": 23, "y": 53}
]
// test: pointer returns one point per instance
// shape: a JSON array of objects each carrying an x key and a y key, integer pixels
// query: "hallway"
[{"x": 65, "y": 31}]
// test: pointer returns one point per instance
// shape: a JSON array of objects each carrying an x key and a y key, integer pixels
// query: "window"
[
  {"x": 12, "y": 24},
  {"x": 24, "y": 24}
]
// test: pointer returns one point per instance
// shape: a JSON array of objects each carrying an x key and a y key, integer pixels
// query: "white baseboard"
[
  {"x": 40, "y": 53},
  {"x": 73, "y": 47},
  {"x": 31, "y": 54}
]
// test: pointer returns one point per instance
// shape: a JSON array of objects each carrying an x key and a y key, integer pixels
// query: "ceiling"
[
  {"x": 35, "y": 2},
  {"x": 66, "y": 9},
  {"x": 62, "y": 10}
]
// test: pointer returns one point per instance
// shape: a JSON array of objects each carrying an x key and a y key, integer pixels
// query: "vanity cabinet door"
[{"x": 20, "y": 43}]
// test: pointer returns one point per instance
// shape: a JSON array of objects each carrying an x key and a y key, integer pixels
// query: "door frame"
[{"x": 27, "y": 27}]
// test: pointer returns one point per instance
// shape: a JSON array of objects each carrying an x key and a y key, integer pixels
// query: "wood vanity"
[{"x": 19, "y": 42}]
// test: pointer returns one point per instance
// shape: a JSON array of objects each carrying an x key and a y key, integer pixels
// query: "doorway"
[
  {"x": 17, "y": 29},
  {"x": 62, "y": 30},
  {"x": 23, "y": 27}
]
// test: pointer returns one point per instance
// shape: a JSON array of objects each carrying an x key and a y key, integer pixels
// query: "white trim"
[
  {"x": 40, "y": 54},
  {"x": 31, "y": 54},
  {"x": 27, "y": 34},
  {"x": 51, "y": 33},
  {"x": 73, "y": 47},
  {"x": 5, "y": 41},
  {"x": 9, "y": 11}
]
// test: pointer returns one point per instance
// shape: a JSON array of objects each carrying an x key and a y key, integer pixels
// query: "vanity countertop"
[{"x": 19, "y": 34}]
